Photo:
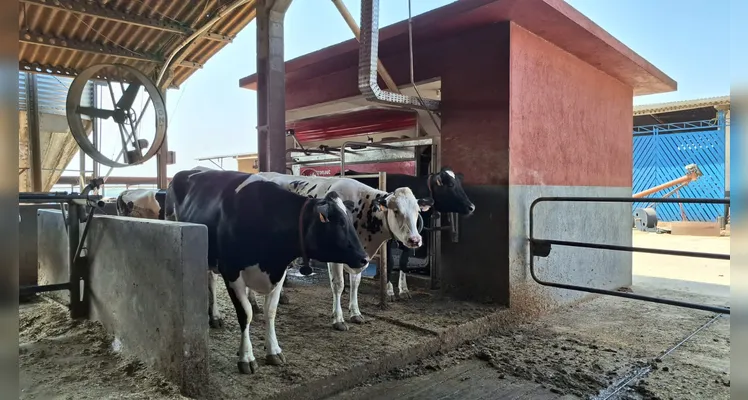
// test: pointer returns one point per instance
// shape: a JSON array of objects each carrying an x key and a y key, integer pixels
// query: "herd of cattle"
[{"x": 258, "y": 224}]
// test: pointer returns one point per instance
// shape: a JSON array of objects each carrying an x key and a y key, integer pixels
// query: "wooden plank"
[{"x": 695, "y": 228}]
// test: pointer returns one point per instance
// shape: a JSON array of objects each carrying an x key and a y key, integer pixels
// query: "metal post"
[
  {"x": 435, "y": 239},
  {"x": 35, "y": 146},
  {"x": 77, "y": 309},
  {"x": 271, "y": 85},
  {"x": 162, "y": 158},
  {"x": 96, "y": 130},
  {"x": 383, "y": 253}
]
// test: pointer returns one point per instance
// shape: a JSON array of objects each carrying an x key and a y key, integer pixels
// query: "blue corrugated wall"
[{"x": 662, "y": 151}]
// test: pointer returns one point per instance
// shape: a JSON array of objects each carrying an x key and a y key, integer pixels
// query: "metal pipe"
[
  {"x": 367, "y": 64},
  {"x": 198, "y": 32},
  {"x": 387, "y": 145},
  {"x": 600, "y": 246},
  {"x": 34, "y": 132},
  {"x": 33, "y": 289},
  {"x": 534, "y": 242},
  {"x": 357, "y": 33},
  {"x": 681, "y": 180},
  {"x": 382, "y": 252}
]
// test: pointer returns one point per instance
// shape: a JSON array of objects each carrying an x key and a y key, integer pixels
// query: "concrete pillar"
[
  {"x": 475, "y": 141},
  {"x": 570, "y": 135},
  {"x": 271, "y": 85}
]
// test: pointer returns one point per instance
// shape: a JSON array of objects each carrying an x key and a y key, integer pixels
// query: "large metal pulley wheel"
[{"x": 135, "y": 150}]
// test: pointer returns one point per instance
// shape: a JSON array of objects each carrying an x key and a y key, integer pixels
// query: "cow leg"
[
  {"x": 335, "y": 271},
  {"x": 238, "y": 294},
  {"x": 356, "y": 316},
  {"x": 253, "y": 301},
  {"x": 402, "y": 285},
  {"x": 390, "y": 262},
  {"x": 274, "y": 356},
  {"x": 214, "y": 316}
]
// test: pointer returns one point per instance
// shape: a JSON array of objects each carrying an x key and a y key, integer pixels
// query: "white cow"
[
  {"x": 138, "y": 203},
  {"x": 378, "y": 217}
]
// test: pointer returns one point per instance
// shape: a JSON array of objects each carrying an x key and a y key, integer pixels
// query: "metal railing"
[
  {"x": 542, "y": 248},
  {"x": 76, "y": 240}
]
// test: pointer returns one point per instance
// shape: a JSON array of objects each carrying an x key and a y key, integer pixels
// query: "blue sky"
[{"x": 210, "y": 114}]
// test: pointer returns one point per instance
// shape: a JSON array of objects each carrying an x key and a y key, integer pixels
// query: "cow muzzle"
[{"x": 414, "y": 242}]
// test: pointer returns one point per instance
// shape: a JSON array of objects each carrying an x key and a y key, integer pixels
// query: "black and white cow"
[
  {"x": 255, "y": 229},
  {"x": 141, "y": 203},
  {"x": 445, "y": 187},
  {"x": 378, "y": 217},
  {"x": 149, "y": 204}
]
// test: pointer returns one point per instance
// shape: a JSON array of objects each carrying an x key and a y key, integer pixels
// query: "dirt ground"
[
  {"x": 576, "y": 352},
  {"x": 51, "y": 343},
  {"x": 588, "y": 350}
]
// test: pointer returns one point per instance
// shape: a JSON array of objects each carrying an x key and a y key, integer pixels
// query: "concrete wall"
[
  {"x": 148, "y": 287},
  {"x": 28, "y": 264},
  {"x": 27, "y": 243},
  {"x": 570, "y": 135}
]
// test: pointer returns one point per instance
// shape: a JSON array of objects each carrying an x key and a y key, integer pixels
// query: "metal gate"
[
  {"x": 661, "y": 151},
  {"x": 542, "y": 248}
]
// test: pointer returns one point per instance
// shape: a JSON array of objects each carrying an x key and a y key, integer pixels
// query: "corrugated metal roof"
[
  {"x": 64, "y": 37},
  {"x": 647, "y": 109}
]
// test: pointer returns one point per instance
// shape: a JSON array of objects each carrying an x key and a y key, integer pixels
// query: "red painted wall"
[
  {"x": 475, "y": 105},
  {"x": 570, "y": 124}
]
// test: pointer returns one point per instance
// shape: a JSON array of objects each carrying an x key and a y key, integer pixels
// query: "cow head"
[
  {"x": 331, "y": 236},
  {"x": 401, "y": 209},
  {"x": 446, "y": 188}
]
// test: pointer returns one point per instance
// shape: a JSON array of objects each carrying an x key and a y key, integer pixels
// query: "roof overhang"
[
  {"x": 674, "y": 106},
  {"x": 64, "y": 37},
  {"x": 553, "y": 20}
]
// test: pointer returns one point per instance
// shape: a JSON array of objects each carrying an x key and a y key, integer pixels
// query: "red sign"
[{"x": 399, "y": 167}]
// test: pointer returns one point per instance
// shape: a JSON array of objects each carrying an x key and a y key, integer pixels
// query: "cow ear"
[
  {"x": 379, "y": 204},
  {"x": 322, "y": 210},
  {"x": 425, "y": 203},
  {"x": 438, "y": 179},
  {"x": 349, "y": 205}
]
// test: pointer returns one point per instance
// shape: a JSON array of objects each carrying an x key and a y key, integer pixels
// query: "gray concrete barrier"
[
  {"x": 28, "y": 257},
  {"x": 148, "y": 287}
]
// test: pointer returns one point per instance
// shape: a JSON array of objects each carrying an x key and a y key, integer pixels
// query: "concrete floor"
[{"x": 633, "y": 332}]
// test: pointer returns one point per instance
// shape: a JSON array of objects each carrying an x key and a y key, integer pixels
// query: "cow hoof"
[
  {"x": 284, "y": 299},
  {"x": 248, "y": 367},
  {"x": 357, "y": 319},
  {"x": 340, "y": 326},
  {"x": 215, "y": 323},
  {"x": 391, "y": 297},
  {"x": 275, "y": 359},
  {"x": 306, "y": 270},
  {"x": 405, "y": 296}
]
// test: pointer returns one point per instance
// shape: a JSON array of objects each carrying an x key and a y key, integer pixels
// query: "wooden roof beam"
[
  {"x": 97, "y": 10},
  {"x": 95, "y": 48}
]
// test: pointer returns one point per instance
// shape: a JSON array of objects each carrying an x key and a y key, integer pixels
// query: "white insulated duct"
[{"x": 367, "y": 64}]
